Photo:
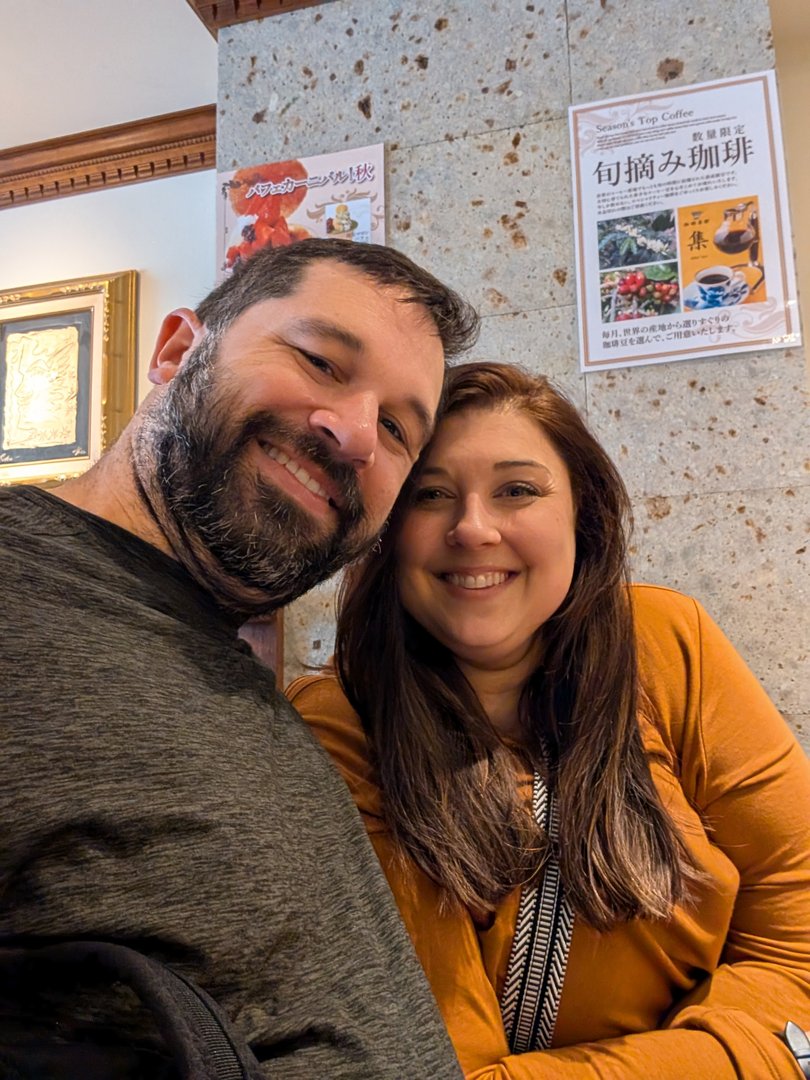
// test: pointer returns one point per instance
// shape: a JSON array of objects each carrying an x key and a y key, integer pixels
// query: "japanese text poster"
[
  {"x": 683, "y": 241},
  {"x": 339, "y": 195}
]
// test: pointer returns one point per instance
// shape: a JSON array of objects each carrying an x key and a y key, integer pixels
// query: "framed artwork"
[
  {"x": 67, "y": 374},
  {"x": 265, "y": 635}
]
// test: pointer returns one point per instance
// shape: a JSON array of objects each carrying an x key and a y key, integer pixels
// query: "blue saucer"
[{"x": 693, "y": 301}]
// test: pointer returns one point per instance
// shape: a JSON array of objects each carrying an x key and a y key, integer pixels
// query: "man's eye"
[
  {"x": 318, "y": 362},
  {"x": 394, "y": 428}
]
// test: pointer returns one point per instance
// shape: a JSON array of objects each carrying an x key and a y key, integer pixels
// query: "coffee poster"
[
  {"x": 340, "y": 196},
  {"x": 682, "y": 232}
]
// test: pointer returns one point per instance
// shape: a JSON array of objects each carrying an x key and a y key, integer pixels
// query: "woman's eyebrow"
[
  {"x": 436, "y": 470},
  {"x": 516, "y": 464}
]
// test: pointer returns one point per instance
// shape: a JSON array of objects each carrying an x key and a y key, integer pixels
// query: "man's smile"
[{"x": 304, "y": 475}]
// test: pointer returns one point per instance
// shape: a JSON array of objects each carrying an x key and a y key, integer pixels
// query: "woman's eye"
[
  {"x": 394, "y": 429},
  {"x": 425, "y": 495},
  {"x": 519, "y": 491}
]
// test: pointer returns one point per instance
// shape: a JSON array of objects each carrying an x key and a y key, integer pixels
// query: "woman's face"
[{"x": 486, "y": 552}]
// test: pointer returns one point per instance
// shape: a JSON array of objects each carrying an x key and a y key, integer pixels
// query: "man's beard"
[{"x": 245, "y": 541}]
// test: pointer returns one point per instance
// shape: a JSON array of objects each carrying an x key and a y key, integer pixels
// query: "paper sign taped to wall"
[
  {"x": 683, "y": 241},
  {"x": 339, "y": 196}
]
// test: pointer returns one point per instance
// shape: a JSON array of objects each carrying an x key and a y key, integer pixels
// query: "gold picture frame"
[{"x": 67, "y": 374}]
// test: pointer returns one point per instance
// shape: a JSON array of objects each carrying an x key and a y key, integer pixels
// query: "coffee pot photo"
[{"x": 739, "y": 233}]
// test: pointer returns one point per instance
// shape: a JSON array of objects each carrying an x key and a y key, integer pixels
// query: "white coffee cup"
[{"x": 717, "y": 283}]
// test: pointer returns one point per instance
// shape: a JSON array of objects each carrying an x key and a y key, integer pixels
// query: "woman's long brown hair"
[{"x": 448, "y": 780}]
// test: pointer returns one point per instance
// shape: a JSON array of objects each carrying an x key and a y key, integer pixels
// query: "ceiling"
[{"x": 76, "y": 65}]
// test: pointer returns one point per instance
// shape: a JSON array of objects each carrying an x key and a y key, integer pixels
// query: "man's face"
[{"x": 276, "y": 453}]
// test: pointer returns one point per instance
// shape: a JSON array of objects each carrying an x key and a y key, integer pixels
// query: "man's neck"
[{"x": 110, "y": 490}]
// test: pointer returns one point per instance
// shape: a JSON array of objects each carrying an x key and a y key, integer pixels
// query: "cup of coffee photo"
[{"x": 717, "y": 284}]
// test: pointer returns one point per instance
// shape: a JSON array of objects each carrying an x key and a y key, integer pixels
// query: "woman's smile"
[{"x": 477, "y": 580}]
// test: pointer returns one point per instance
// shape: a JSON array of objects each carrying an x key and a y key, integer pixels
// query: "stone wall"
[{"x": 471, "y": 98}]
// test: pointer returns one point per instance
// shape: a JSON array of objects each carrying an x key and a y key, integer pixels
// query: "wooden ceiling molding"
[
  {"x": 219, "y": 13},
  {"x": 160, "y": 146}
]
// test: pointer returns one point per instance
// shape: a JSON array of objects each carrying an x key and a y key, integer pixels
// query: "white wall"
[
  {"x": 74, "y": 65},
  {"x": 164, "y": 229}
]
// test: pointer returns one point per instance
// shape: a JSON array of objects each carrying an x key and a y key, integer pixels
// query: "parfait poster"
[
  {"x": 341, "y": 196},
  {"x": 683, "y": 241}
]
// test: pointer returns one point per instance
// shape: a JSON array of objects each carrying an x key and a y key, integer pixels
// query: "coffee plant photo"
[{"x": 639, "y": 239}]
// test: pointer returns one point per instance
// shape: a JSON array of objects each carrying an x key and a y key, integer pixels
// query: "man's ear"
[{"x": 179, "y": 332}]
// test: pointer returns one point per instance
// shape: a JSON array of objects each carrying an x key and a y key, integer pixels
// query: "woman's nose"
[
  {"x": 349, "y": 429},
  {"x": 475, "y": 526}
]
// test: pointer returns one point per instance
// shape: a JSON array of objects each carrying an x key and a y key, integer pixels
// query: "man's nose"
[
  {"x": 474, "y": 526},
  {"x": 349, "y": 429}
]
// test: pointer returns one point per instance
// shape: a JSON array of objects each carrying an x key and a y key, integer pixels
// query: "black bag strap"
[
  {"x": 545, "y": 922},
  {"x": 198, "y": 1036}
]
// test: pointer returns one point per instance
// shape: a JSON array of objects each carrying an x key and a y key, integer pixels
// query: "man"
[{"x": 155, "y": 789}]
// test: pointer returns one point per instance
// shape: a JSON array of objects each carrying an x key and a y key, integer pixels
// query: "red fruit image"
[
  {"x": 269, "y": 211},
  {"x": 268, "y": 207},
  {"x": 276, "y": 233}
]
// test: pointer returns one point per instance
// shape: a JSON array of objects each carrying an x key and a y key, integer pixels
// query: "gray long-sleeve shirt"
[{"x": 156, "y": 790}]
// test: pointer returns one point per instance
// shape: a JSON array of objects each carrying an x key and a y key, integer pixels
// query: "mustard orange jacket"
[{"x": 698, "y": 996}]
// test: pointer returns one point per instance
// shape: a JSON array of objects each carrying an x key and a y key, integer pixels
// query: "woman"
[{"x": 593, "y": 820}]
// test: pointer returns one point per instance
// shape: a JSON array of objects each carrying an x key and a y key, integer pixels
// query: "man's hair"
[
  {"x": 273, "y": 273},
  {"x": 448, "y": 779}
]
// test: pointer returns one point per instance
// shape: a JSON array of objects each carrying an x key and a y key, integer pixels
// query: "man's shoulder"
[
  {"x": 33, "y": 521},
  {"x": 35, "y": 543},
  {"x": 25, "y": 506}
]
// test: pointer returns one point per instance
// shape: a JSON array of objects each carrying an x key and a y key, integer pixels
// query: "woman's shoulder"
[
  {"x": 320, "y": 700},
  {"x": 676, "y": 635},
  {"x": 670, "y": 628},
  {"x": 695, "y": 682},
  {"x": 322, "y": 690},
  {"x": 659, "y": 607},
  {"x": 668, "y": 638}
]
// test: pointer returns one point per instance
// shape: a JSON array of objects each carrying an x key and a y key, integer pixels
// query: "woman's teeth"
[
  {"x": 476, "y": 581},
  {"x": 298, "y": 471}
]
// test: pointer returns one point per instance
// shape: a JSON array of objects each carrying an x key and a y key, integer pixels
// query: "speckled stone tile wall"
[{"x": 471, "y": 98}]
